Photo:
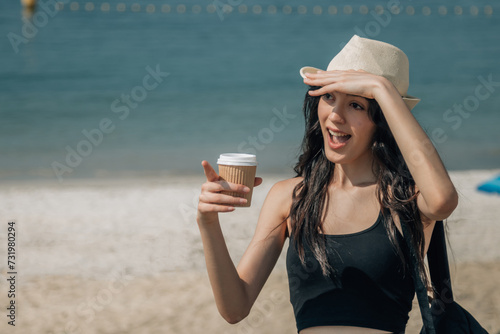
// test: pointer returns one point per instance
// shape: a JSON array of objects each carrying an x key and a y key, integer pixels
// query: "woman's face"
[{"x": 347, "y": 129}]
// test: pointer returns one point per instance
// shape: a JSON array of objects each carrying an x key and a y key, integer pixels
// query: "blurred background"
[{"x": 232, "y": 67}]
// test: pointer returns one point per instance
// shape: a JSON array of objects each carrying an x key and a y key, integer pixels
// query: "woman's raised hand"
[
  {"x": 354, "y": 82},
  {"x": 212, "y": 197}
]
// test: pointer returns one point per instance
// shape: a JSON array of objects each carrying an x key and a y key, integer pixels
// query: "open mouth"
[{"x": 338, "y": 138}]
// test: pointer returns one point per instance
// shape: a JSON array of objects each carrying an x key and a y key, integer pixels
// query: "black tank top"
[{"x": 370, "y": 286}]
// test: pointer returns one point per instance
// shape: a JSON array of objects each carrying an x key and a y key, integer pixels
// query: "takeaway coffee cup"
[{"x": 238, "y": 168}]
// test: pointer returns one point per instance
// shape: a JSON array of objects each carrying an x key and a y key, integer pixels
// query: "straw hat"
[{"x": 375, "y": 57}]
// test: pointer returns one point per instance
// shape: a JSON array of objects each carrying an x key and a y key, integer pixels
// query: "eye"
[
  {"x": 329, "y": 97},
  {"x": 357, "y": 106}
]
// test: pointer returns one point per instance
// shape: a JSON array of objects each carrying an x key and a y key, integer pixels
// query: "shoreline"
[{"x": 166, "y": 177}]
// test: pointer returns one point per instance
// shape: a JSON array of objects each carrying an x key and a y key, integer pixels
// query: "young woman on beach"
[{"x": 366, "y": 168}]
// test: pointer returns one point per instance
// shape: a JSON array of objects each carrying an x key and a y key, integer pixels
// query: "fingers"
[
  {"x": 323, "y": 78},
  {"x": 220, "y": 186},
  {"x": 323, "y": 90},
  {"x": 221, "y": 199},
  {"x": 214, "y": 196},
  {"x": 357, "y": 83},
  {"x": 326, "y": 77},
  {"x": 209, "y": 172},
  {"x": 323, "y": 74},
  {"x": 218, "y": 202},
  {"x": 205, "y": 208}
]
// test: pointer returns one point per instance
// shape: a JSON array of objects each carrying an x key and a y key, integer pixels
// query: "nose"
[{"x": 337, "y": 115}]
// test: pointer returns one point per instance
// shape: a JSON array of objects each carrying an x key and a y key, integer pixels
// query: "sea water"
[{"x": 129, "y": 88}]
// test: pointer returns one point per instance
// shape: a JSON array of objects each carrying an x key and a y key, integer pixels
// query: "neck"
[{"x": 355, "y": 174}]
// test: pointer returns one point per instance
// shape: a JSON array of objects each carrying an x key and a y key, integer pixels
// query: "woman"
[{"x": 366, "y": 168}]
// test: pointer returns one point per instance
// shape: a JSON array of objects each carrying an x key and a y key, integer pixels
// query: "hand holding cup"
[{"x": 220, "y": 194}]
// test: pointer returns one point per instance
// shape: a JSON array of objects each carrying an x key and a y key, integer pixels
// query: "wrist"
[
  {"x": 386, "y": 91},
  {"x": 382, "y": 87},
  {"x": 207, "y": 219}
]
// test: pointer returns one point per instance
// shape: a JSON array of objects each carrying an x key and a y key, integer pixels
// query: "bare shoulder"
[
  {"x": 282, "y": 191},
  {"x": 280, "y": 195},
  {"x": 287, "y": 185}
]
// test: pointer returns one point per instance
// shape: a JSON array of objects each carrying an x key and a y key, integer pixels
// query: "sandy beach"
[{"x": 125, "y": 256}]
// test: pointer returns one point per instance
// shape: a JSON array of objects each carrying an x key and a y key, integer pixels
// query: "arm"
[
  {"x": 438, "y": 197},
  {"x": 236, "y": 289}
]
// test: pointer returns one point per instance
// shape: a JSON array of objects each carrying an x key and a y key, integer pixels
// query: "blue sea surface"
[{"x": 141, "y": 92}]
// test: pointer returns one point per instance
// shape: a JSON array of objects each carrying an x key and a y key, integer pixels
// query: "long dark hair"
[{"x": 396, "y": 191}]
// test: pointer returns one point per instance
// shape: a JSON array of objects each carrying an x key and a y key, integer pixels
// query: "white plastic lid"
[{"x": 237, "y": 159}]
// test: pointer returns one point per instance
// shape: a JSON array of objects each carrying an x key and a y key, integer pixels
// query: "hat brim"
[{"x": 410, "y": 101}]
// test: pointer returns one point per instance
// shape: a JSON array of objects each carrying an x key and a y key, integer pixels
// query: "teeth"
[{"x": 337, "y": 134}]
